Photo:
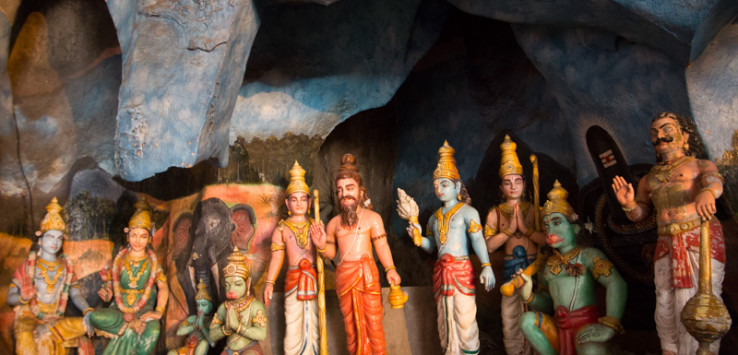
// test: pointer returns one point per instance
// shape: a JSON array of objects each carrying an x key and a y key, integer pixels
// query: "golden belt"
[{"x": 677, "y": 228}]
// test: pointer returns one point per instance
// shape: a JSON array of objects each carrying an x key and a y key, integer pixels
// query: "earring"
[
  {"x": 686, "y": 147},
  {"x": 289, "y": 213},
  {"x": 458, "y": 197}
]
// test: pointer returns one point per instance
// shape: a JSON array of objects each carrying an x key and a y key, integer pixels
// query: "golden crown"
[
  {"x": 509, "y": 164},
  {"x": 446, "y": 167},
  {"x": 141, "y": 218},
  {"x": 53, "y": 219},
  {"x": 297, "y": 180},
  {"x": 202, "y": 292},
  {"x": 236, "y": 265},
  {"x": 557, "y": 203}
]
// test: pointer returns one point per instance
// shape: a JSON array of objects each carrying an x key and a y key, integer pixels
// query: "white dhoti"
[
  {"x": 301, "y": 331},
  {"x": 512, "y": 310},
  {"x": 670, "y": 301},
  {"x": 457, "y": 324}
]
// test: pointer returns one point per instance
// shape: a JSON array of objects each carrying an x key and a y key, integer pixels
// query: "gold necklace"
[
  {"x": 443, "y": 221},
  {"x": 662, "y": 173},
  {"x": 556, "y": 261},
  {"x": 300, "y": 231},
  {"x": 133, "y": 280},
  {"x": 45, "y": 267}
]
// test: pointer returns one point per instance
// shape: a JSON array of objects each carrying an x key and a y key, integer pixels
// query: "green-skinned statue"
[
  {"x": 139, "y": 288},
  {"x": 196, "y": 326},
  {"x": 570, "y": 276},
  {"x": 241, "y": 318}
]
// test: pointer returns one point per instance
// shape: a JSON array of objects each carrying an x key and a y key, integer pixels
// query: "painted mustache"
[
  {"x": 656, "y": 141},
  {"x": 347, "y": 198}
]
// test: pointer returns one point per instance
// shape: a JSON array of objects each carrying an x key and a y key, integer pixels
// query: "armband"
[
  {"x": 277, "y": 247},
  {"x": 489, "y": 232},
  {"x": 530, "y": 299},
  {"x": 601, "y": 267},
  {"x": 474, "y": 227},
  {"x": 383, "y": 235},
  {"x": 710, "y": 190},
  {"x": 528, "y": 233}
]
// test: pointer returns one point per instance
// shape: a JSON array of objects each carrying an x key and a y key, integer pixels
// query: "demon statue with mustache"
[
  {"x": 682, "y": 189},
  {"x": 355, "y": 230},
  {"x": 568, "y": 290}
]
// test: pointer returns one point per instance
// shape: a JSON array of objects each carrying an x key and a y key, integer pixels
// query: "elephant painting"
[{"x": 206, "y": 237}]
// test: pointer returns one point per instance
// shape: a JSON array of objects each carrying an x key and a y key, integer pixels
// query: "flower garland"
[
  {"x": 147, "y": 288},
  {"x": 62, "y": 293}
]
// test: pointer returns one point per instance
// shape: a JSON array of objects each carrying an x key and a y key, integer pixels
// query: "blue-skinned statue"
[
  {"x": 455, "y": 229},
  {"x": 40, "y": 291},
  {"x": 567, "y": 320}
]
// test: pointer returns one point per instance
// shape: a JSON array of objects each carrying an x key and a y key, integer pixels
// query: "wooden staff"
[{"x": 321, "y": 285}]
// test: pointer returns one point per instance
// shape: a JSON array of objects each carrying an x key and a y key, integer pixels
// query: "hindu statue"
[
  {"x": 455, "y": 229},
  {"x": 138, "y": 287},
  {"x": 510, "y": 225},
  {"x": 40, "y": 290},
  {"x": 196, "y": 327},
  {"x": 291, "y": 237},
  {"x": 682, "y": 190},
  {"x": 241, "y": 318},
  {"x": 567, "y": 319},
  {"x": 351, "y": 235}
]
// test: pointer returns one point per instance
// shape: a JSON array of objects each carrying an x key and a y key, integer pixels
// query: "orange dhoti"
[{"x": 360, "y": 297}]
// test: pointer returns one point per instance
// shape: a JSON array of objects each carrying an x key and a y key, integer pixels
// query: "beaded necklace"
[{"x": 62, "y": 293}]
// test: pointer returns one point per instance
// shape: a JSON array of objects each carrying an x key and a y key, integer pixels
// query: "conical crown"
[
  {"x": 202, "y": 292},
  {"x": 446, "y": 167},
  {"x": 297, "y": 180},
  {"x": 236, "y": 265},
  {"x": 557, "y": 202},
  {"x": 53, "y": 219},
  {"x": 509, "y": 164},
  {"x": 141, "y": 218}
]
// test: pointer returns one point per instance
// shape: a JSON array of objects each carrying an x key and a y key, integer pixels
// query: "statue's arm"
[
  {"x": 257, "y": 330},
  {"x": 187, "y": 326},
  {"x": 642, "y": 208},
  {"x": 542, "y": 300},
  {"x": 474, "y": 230},
  {"x": 278, "y": 247},
  {"x": 428, "y": 242},
  {"x": 616, "y": 289},
  {"x": 530, "y": 231},
  {"x": 14, "y": 294},
  {"x": 710, "y": 178},
  {"x": 206, "y": 334},
  {"x": 216, "y": 326},
  {"x": 76, "y": 295},
  {"x": 494, "y": 238},
  {"x": 162, "y": 295},
  {"x": 330, "y": 239}
]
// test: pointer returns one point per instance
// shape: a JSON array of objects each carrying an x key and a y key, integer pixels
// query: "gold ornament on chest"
[
  {"x": 45, "y": 267},
  {"x": 662, "y": 173},
  {"x": 444, "y": 220},
  {"x": 300, "y": 231}
]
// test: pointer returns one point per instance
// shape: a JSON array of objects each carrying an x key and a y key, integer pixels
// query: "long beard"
[{"x": 348, "y": 213}]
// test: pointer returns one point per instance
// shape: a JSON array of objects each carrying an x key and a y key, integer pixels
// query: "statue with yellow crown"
[
  {"x": 241, "y": 318},
  {"x": 455, "y": 227},
  {"x": 139, "y": 289},
  {"x": 197, "y": 326},
  {"x": 291, "y": 237},
  {"x": 39, "y": 292},
  {"x": 511, "y": 226},
  {"x": 567, "y": 319}
]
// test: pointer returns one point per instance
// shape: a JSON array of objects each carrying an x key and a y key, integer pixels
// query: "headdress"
[
  {"x": 236, "y": 265},
  {"x": 53, "y": 219},
  {"x": 446, "y": 167},
  {"x": 348, "y": 169},
  {"x": 557, "y": 203},
  {"x": 141, "y": 218},
  {"x": 297, "y": 180},
  {"x": 509, "y": 164},
  {"x": 202, "y": 292}
]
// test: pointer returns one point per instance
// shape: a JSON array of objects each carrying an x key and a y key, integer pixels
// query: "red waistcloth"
[
  {"x": 302, "y": 279},
  {"x": 568, "y": 322},
  {"x": 678, "y": 245},
  {"x": 451, "y": 274},
  {"x": 360, "y": 298}
]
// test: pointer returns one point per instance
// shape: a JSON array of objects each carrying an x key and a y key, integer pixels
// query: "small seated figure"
[
  {"x": 39, "y": 292},
  {"x": 196, "y": 326},
  {"x": 571, "y": 275},
  {"x": 139, "y": 287},
  {"x": 241, "y": 318}
]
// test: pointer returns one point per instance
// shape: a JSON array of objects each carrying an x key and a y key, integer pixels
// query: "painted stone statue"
[
  {"x": 197, "y": 326},
  {"x": 139, "y": 289},
  {"x": 682, "y": 189},
  {"x": 568, "y": 283},
  {"x": 39, "y": 292},
  {"x": 510, "y": 225},
  {"x": 455, "y": 227},
  {"x": 241, "y": 318},
  {"x": 355, "y": 230},
  {"x": 291, "y": 237}
]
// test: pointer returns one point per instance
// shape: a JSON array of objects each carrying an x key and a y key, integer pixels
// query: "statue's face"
[
  {"x": 446, "y": 190},
  {"x": 138, "y": 238},
  {"x": 236, "y": 287},
  {"x": 348, "y": 191},
  {"x": 512, "y": 186},
  {"x": 298, "y": 203},
  {"x": 559, "y": 232},
  {"x": 51, "y": 241},
  {"x": 204, "y": 306},
  {"x": 667, "y": 136}
]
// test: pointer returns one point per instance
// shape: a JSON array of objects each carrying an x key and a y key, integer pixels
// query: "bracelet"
[
  {"x": 320, "y": 250},
  {"x": 269, "y": 282},
  {"x": 611, "y": 322},
  {"x": 628, "y": 209},
  {"x": 388, "y": 268},
  {"x": 485, "y": 265},
  {"x": 507, "y": 232},
  {"x": 22, "y": 301},
  {"x": 709, "y": 189},
  {"x": 160, "y": 310},
  {"x": 87, "y": 310},
  {"x": 528, "y": 233},
  {"x": 222, "y": 328},
  {"x": 530, "y": 299}
]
